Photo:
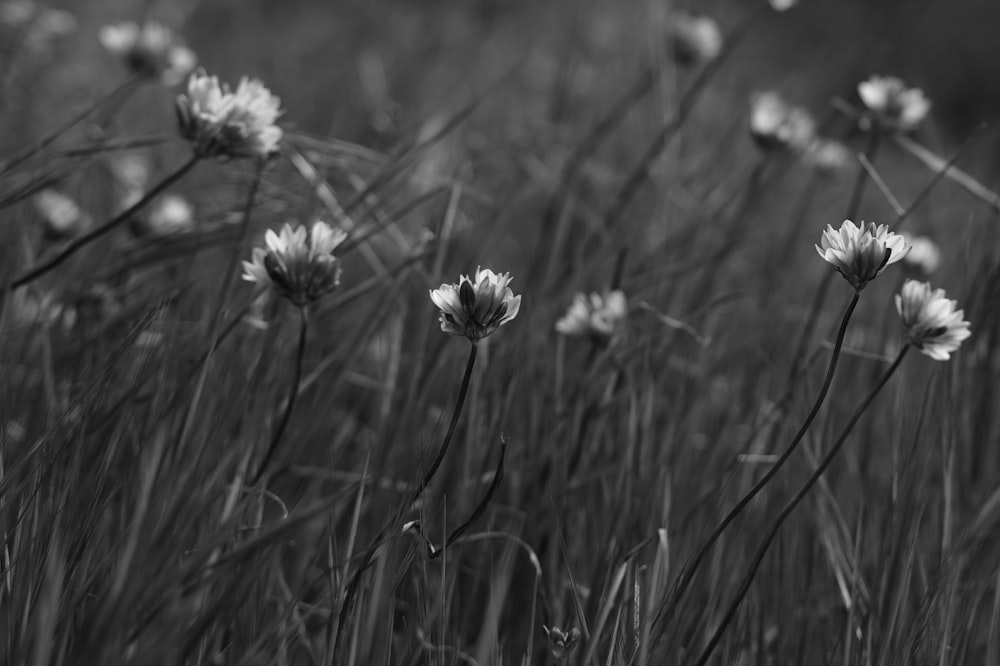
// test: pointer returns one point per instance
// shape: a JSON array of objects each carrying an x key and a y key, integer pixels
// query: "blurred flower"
[
  {"x": 696, "y": 39},
  {"x": 783, "y": 5},
  {"x": 220, "y": 123},
  {"x": 826, "y": 154},
  {"x": 600, "y": 316},
  {"x": 150, "y": 50},
  {"x": 299, "y": 264},
  {"x": 29, "y": 308},
  {"x": 169, "y": 214},
  {"x": 131, "y": 171},
  {"x": 893, "y": 104},
  {"x": 62, "y": 217},
  {"x": 860, "y": 253},
  {"x": 476, "y": 308},
  {"x": 924, "y": 254},
  {"x": 561, "y": 643},
  {"x": 776, "y": 125},
  {"x": 41, "y": 24},
  {"x": 933, "y": 325}
]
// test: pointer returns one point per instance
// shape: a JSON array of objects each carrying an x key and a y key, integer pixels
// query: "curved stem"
[
  {"x": 794, "y": 502},
  {"x": 462, "y": 392},
  {"x": 290, "y": 405},
  {"x": 59, "y": 130},
  {"x": 76, "y": 245},
  {"x": 688, "y": 575}
]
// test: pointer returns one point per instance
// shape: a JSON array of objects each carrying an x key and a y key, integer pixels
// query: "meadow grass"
[{"x": 199, "y": 469}]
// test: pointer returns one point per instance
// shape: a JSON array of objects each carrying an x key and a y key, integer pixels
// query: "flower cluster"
[
  {"x": 297, "y": 263},
  {"x": 933, "y": 325},
  {"x": 229, "y": 124},
  {"x": 599, "y": 316},
  {"x": 696, "y": 39},
  {"x": 149, "y": 50},
  {"x": 892, "y": 104},
  {"x": 476, "y": 308},
  {"x": 861, "y": 253}
]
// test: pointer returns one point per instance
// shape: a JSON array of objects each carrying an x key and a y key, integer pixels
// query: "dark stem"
[
  {"x": 790, "y": 506},
  {"x": 76, "y": 245},
  {"x": 59, "y": 130},
  {"x": 429, "y": 475},
  {"x": 293, "y": 394},
  {"x": 688, "y": 574}
]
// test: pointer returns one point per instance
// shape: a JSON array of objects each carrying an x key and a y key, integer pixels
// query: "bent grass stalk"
[
  {"x": 86, "y": 239},
  {"x": 688, "y": 574},
  {"x": 290, "y": 405},
  {"x": 793, "y": 503}
]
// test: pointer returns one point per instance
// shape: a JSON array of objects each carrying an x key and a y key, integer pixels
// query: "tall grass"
[{"x": 186, "y": 476}]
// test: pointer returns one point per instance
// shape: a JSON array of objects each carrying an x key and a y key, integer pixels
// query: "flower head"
[
  {"x": 826, "y": 155},
  {"x": 476, "y": 308},
  {"x": 299, "y": 264},
  {"x": 776, "y": 125},
  {"x": 924, "y": 255},
  {"x": 600, "y": 316},
  {"x": 222, "y": 123},
  {"x": 933, "y": 325},
  {"x": 150, "y": 50},
  {"x": 892, "y": 103},
  {"x": 860, "y": 253},
  {"x": 61, "y": 215},
  {"x": 696, "y": 39}
]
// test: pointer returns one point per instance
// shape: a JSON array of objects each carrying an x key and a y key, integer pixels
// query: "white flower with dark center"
[
  {"x": 222, "y": 123},
  {"x": 297, "y": 263},
  {"x": 600, "y": 316},
  {"x": 696, "y": 39},
  {"x": 150, "y": 50},
  {"x": 476, "y": 308},
  {"x": 892, "y": 103},
  {"x": 861, "y": 253},
  {"x": 933, "y": 325}
]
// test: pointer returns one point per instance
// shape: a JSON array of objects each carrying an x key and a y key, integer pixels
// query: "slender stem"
[
  {"x": 688, "y": 574},
  {"x": 59, "y": 130},
  {"x": 794, "y": 502},
  {"x": 290, "y": 405},
  {"x": 76, "y": 245},
  {"x": 462, "y": 392}
]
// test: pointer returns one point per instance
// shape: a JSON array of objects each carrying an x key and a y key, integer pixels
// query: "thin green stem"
[
  {"x": 59, "y": 130},
  {"x": 293, "y": 394},
  {"x": 76, "y": 245},
  {"x": 792, "y": 504},
  {"x": 688, "y": 574}
]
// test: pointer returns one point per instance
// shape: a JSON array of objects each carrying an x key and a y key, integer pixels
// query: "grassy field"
[{"x": 195, "y": 469}]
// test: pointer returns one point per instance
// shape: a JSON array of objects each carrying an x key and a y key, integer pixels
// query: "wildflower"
[
  {"x": 860, "y": 253},
  {"x": 169, "y": 214},
  {"x": 600, "y": 316},
  {"x": 775, "y": 124},
  {"x": 299, "y": 264},
  {"x": 924, "y": 255},
  {"x": 150, "y": 50},
  {"x": 933, "y": 325},
  {"x": 62, "y": 217},
  {"x": 225, "y": 124},
  {"x": 476, "y": 308},
  {"x": 826, "y": 155},
  {"x": 561, "y": 643},
  {"x": 892, "y": 103},
  {"x": 695, "y": 38}
]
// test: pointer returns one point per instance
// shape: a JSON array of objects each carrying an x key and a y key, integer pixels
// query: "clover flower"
[
  {"x": 600, "y": 316},
  {"x": 149, "y": 50},
  {"x": 476, "y": 308},
  {"x": 892, "y": 103},
  {"x": 299, "y": 264},
  {"x": 933, "y": 325},
  {"x": 226, "y": 124},
  {"x": 860, "y": 253},
  {"x": 777, "y": 125},
  {"x": 62, "y": 216},
  {"x": 695, "y": 38},
  {"x": 924, "y": 255}
]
